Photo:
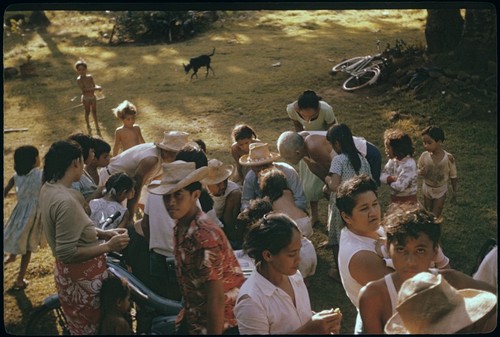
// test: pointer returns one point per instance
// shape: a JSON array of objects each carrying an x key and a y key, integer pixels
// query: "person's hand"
[
  {"x": 391, "y": 179},
  {"x": 326, "y": 192},
  {"x": 118, "y": 242},
  {"x": 325, "y": 322}
]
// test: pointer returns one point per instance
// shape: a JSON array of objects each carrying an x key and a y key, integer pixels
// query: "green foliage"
[{"x": 164, "y": 26}]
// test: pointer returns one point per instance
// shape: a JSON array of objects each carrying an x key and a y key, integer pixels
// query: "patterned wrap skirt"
[{"x": 78, "y": 286}]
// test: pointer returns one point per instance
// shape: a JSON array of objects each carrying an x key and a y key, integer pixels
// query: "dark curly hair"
[
  {"x": 349, "y": 190},
  {"x": 400, "y": 141},
  {"x": 410, "y": 221}
]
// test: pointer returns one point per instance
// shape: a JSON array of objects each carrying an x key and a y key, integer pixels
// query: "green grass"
[{"x": 247, "y": 89}]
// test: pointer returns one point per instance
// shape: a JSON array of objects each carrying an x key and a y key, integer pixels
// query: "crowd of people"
[{"x": 183, "y": 217}]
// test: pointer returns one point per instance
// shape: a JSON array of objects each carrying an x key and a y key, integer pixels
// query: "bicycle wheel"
[
  {"x": 344, "y": 64},
  {"x": 48, "y": 320},
  {"x": 367, "y": 77}
]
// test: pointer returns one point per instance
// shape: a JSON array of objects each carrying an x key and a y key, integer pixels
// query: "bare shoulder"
[{"x": 376, "y": 290}]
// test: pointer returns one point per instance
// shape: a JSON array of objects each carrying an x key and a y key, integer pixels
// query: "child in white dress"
[
  {"x": 119, "y": 187},
  {"x": 23, "y": 232},
  {"x": 436, "y": 166}
]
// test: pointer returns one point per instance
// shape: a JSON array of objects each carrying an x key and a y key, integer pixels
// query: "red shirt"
[{"x": 204, "y": 254}]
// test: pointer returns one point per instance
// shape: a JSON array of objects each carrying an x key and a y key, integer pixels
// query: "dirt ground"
[{"x": 246, "y": 88}]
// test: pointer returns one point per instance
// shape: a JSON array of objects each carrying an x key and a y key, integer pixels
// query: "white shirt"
[
  {"x": 161, "y": 225},
  {"x": 267, "y": 309}
]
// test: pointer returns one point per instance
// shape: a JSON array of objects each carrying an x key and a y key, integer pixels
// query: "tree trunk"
[
  {"x": 443, "y": 30},
  {"x": 478, "y": 47},
  {"x": 39, "y": 19}
]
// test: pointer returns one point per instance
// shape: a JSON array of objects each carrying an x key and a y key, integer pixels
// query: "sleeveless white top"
[{"x": 220, "y": 201}]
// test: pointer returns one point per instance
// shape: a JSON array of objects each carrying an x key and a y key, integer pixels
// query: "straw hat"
[
  {"x": 217, "y": 172},
  {"x": 173, "y": 140},
  {"x": 177, "y": 175},
  {"x": 259, "y": 154},
  {"x": 428, "y": 304}
]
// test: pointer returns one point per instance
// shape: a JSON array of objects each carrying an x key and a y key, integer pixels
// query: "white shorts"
[{"x": 434, "y": 192}]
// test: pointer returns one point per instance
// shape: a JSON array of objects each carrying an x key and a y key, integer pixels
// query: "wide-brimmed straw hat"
[
  {"x": 217, "y": 172},
  {"x": 428, "y": 304},
  {"x": 259, "y": 154},
  {"x": 173, "y": 140},
  {"x": 177, "y": 175}
]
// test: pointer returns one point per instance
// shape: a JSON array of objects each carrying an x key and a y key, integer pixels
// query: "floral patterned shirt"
[
  {"x": 406, "y": 172},
  {"x": 204, "y": 254}
]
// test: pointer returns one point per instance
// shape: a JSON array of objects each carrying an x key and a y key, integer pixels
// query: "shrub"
[{"x": 161, "y": 26}]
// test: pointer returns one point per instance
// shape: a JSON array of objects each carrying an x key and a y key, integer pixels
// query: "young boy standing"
[
  {"x": 208, "y": 272},
  {"x": 436, "y": 166},
  {"x": 88, "y": 87},
  {"x": 412, "y": 243}
]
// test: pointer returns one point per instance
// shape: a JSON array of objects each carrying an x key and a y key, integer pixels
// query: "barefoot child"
[
  {"x": 88, "y": 87},
  {"x": 412, "y": 243},
  {"x": 400, "y": 172},
  {"x": 115, "y": 308},
  {"x": 436, "y": 165},
  {"x": 23, "y": 231},
  {"x": 129, "y": 134}
]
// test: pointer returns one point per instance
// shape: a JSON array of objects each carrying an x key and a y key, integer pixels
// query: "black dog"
[{"x": 197, "y": 62}]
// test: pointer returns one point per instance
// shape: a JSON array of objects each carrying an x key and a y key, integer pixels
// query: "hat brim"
[
  {"x": 246, "y": 161},
  {"x": 476, "y": 304},
  {"x": 163, "y": 188},
  {"x": 168, "y": 148},
  {"x": 215, "y": 180}
]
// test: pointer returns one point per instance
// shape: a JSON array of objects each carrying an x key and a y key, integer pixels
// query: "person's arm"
[
  {"x": 405, "y": 176},
  {"x": 142, "y": 172},
  {"x": 117, "y": 142},
  {"x": 96, "y": 194},
  {"x": 115, "y": 243},
  {"x": 292, "y": 110},
  {"x": 298, "y": 127},
  {"x": 248, "y": 192},
  {"x": 145, "y": 227},
  {"x": 126, "y": 220},
  {"x": 230, "y": 215},
  {"x": 333, "y": 182},
  {"x": 372, "y": 303},
  {"x": 139, "y": 133},
  {"x": 8, "y": 187},
  {"x": 215, "y": 307},
  {"x": 366, "y": 266},
  {"x": 122, "y": 327},
  {"x": 238, "y": 176},
  {"x": 296, "y": 187},
  {"x": 386, "y": 172},
  {"x": 460, "y": 280}
]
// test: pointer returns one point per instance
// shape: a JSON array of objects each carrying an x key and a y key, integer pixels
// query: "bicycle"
[
  {"x": 49, "y": 319},
  {"x": 363, "y": 70}
]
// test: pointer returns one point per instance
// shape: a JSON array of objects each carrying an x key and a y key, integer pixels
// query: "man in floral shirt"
[{"x": 208, "y": 272}]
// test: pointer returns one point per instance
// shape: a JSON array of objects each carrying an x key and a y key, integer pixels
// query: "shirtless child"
[
  {"x": 129, "y": 134},
  {"x": 88, "y": 87}
]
